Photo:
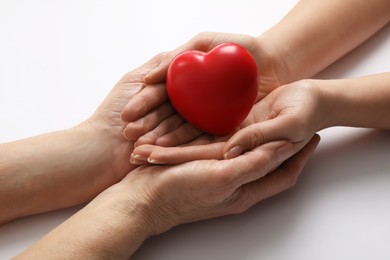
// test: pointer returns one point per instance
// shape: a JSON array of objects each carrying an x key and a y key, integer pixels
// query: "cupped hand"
[
  {"x": 111, "y": 150},
  {"x": 293, "y": 112},
  {"x": 148, "y": 108},
  {"x": 202, "y": 189}
]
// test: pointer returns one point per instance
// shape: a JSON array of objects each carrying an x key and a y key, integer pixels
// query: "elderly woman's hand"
[{"x": 202, "y": 189}]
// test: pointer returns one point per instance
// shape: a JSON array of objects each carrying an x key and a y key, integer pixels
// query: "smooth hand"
[{"x": 293, "y": 112}]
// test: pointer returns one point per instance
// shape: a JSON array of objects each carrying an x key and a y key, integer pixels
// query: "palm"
[{"x": 106, "y": 120}]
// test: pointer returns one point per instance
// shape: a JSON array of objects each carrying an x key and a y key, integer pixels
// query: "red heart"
[{"x": 213, "y": 91}]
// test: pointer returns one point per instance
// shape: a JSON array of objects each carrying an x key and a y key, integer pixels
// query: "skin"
[
  {"x": 71, "y": 166},
  {"x": 308, "y": 106},
  {"x": 128, "y": 204},
  {"x": 291, "y": 50},
  {"x": 140, "y": 199},
  {"x": 295, "y": 112},
  {"x": 143, "y": 203}
]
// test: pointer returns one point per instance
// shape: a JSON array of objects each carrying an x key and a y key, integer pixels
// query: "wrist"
[
  {"x": 357, "y": 102},
  {"x": 95, "y": 155},
  {"x": 106, "y": 228},
  {"x": 333, "y": 103},
  {"x": 132, "y": 201},
  {"x": 279, "y": 54},
  {"x": 122, "y": 226},
  {"x": 53, "y": 171}
]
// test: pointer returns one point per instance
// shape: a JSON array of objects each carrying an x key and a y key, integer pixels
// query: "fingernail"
[
  {"x": 132, "y": 161},
  {"x": 153, "y": 161},
  {"x": 137, "y": 157},
  {"x": 125, "y": 135},
  {"x": 233, "y": 152}
]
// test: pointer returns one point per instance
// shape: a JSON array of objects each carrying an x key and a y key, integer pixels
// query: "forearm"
[
  {"x": 357, "y": 102},
  {"x": 107, "y": 228},
  {"x": 314, "y": 33},
  {"x": 48, "y": 172}
]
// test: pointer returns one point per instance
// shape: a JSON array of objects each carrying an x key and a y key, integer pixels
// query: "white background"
[{"x": 58, "y": 60}]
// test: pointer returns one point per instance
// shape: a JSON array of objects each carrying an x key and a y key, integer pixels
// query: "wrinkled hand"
[
  {"x": 202, "y": 189},
  {"x": 146, "y": 110},
  {"x": 105, "y": 128}
]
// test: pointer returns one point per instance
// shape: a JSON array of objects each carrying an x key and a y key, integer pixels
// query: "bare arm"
[
  {"x": 307, "y": 106},
  {"x": 314, "y": 34},
  {"x": 357, "y": 102},
  {"x": 72, "y": 166},
  {"x": 48, "y": 172},
  {"x": 310, "y": 37},
  {"x": 151, "y": 200}
]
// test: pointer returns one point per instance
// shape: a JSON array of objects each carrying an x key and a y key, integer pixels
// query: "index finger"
[{"x": 174, "y": 155}]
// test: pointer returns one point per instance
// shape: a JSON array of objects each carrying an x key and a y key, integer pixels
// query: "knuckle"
[
  {"x": 298, "y": 126},
  {"x": 160, "y": 56},
  {"x": 256, "y": 137},
  {"x": 202, "y": 36},
  {"x": 202, "y": 41},
  {"x": 241, "y": 201},
  {"x": 225, "y": 178},
  {"x": 292, "y": 181}
]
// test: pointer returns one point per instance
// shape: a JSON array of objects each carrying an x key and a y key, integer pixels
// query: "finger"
[
  {"x": 280, "y": 180},
  {"x": 139, "y": 105},
  {"x": 159, "y": 73},
  {"x": 139, "y": 73},
  {"x": 260, "y": 161},
  {"x": 181, "y": 135},
  {"x": 147, "y": 123},
  {"x": 140, "y": 154},
  {"x": 247, "y": 138},
  {"x": 174, "y": 155},
  {"x": 204, "y": 139},
  {"x": 166, "y": 126},
  {"x": 201, "y": 42}
]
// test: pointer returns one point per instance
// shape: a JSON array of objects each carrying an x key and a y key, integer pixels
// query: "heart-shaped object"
[{"x": 213, "y": 91}]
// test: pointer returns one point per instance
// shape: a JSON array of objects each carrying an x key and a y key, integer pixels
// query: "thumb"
[
  {"x": 201, "y": 42},
  {"x": 157, "y": 74},
  {"x": 255, "y": 135}
]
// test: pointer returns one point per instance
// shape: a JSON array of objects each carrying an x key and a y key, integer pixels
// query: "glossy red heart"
[{"x": 214, "y": 91}]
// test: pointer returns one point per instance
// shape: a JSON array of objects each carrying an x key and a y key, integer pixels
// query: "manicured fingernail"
[
  {"x": 153, "y": 161},
  {"x": 233, "y": 152}
]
